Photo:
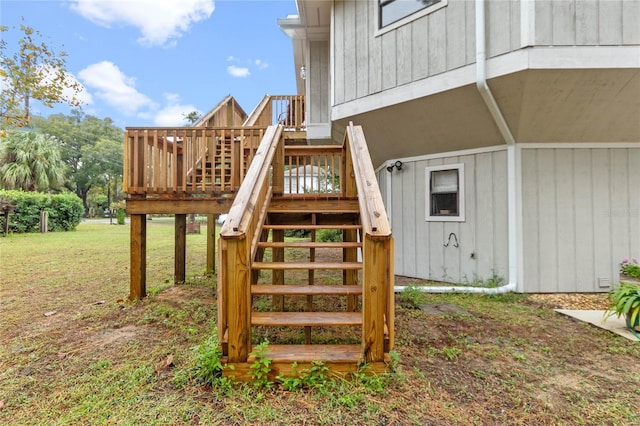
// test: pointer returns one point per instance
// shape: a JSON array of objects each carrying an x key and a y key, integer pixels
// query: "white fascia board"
[
  {"x": 564, "y": 57},
  {"x": 570, "y": 57},
  {"x": 429, "y": 86}
]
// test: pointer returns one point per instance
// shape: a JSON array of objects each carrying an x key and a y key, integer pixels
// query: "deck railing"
[
  {"x": 239, "y": 237},
  {"x": 287, "y": 110},
  {"x": 377, "y": 258},
  {"x": 188, "y": 160},
  {"x": 273, "y": 166},
  {"x": 312, "y": 169}
]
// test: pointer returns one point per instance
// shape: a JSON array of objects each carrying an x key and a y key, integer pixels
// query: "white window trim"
[
  {"x": 404, "y": 21},
  {"x": 461, "y": 194}
]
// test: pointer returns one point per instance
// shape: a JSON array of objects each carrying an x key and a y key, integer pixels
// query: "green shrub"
[
  {"x": 65, "y": 210},
  {"x": 329, "y": 235},
  {"x": 411, "y": 297},
  {"x": 297, "y": 233},
  {"x": 120, "y": 215},
  {"x": 208, "y": 367}
]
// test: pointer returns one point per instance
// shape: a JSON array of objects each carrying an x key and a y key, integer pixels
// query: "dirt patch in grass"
[{"x": 481, "y": 360}]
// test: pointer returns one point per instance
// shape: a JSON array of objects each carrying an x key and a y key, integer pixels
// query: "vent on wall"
[{"x": 604, "y": 282}]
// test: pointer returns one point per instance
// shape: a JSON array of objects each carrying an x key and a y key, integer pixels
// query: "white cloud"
[
  {"x": 261, "y": 64},
  {"x": 231, "y": 59},
  {"x": 238, "y": 71},
  {"x": 114, "y": 87},
  {"x": 173, "y": 113},
  {"x": 159, "y": 22}
]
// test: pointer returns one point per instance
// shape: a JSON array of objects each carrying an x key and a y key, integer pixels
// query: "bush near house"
[{"x": 65, "y": 210}]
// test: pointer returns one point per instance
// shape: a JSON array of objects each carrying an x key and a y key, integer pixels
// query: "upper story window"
[{"x": 394, "y": 10}]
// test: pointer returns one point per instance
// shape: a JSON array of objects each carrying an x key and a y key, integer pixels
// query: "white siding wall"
[
  {"x": 419, "y": 245},
  {"x": 318, "y": 75},
  {"x": 367, "y": 62},
  {"x": 587, "y": 22},
  {"x": 581, "y": 216}
]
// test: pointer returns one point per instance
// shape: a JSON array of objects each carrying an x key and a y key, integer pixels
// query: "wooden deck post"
[
  {"x": 376, "y": 276},
  {"x": 237, "y": 297},
  {"x": 180, "y": 248},
  {"x": 211, "y": 243},
  {"x": 138, "y": 257}
]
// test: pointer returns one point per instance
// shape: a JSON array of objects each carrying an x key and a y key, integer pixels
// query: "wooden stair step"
[
  {"x": 310, "y": 353},
  {"x": 309, "y": 244},
  {"x": 337, "y": 205},
  {"x": 306, "y": 319},
  {"x": 302, "y": 290},
  {"x": 307, "y": 265},
  {"x": 312, "y": 227}
]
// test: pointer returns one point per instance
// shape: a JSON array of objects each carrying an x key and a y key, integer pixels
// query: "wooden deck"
[{"x": 268, "y": 187}]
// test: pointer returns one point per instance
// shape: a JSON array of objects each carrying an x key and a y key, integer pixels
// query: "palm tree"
[{"x": 30, "y": 161}]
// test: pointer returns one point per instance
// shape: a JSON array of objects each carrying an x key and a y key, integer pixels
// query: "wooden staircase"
[{"x": 312, "y": 300}]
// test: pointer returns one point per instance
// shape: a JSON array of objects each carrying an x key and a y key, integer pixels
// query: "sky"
[{"x": 148, "y": 62}]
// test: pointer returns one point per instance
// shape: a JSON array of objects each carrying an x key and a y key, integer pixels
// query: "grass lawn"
[{"x": 74, "y": 351}]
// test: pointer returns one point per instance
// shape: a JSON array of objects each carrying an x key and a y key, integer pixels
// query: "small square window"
[{"x": 445, "y": 193}]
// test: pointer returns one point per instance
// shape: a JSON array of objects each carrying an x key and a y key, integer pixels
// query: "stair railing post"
[
  {"x": 376, "y": 274},
  {"x": 237, "y": 303}
]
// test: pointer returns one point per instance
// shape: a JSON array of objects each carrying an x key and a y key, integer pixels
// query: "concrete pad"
[{"x": 613, "y": 324}]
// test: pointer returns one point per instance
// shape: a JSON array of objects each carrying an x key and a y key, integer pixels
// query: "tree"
[
  {"x": 90, "y": 147},
  {"x": 192, "y": 117},
  {"x": 30, "y": 161},
  {"x": 34, "y": 71}
]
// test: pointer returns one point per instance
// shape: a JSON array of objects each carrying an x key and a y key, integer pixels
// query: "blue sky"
[{"x": 146, "y": 62}]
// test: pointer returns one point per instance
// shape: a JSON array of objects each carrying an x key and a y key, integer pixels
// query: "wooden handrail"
[
  {"x": 245, "y": 201},
  {"x": 238, "y": 242},
  {"x": 373, "y": 214},
  {"x": 377, "y": 248}
]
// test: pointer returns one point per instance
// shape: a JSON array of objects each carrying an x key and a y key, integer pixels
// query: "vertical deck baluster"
[
  {"x": 126, "y": 150},
  {"x": 223, "y": 161},
  {"x": 203, "y": 160}
]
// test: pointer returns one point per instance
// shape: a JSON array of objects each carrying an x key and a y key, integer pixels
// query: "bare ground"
[{"x": 487, "y": 360}]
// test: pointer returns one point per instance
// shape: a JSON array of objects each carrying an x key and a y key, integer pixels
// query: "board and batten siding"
[
  {"x": 587, "y": 22},
  {"x": 367, "y": 62},
  {"x": 581, "y": 216},
  {"x": 419, "y": 245},
  {"x": 318, "y": 76}
]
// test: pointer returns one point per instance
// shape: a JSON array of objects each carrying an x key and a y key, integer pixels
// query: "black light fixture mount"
[{"x": 397, "y": 165}]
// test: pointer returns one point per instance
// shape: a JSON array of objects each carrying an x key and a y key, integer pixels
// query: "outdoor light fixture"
[
  {"x": 303, "y": 72},
  {"x": 397, "y": 165}
]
